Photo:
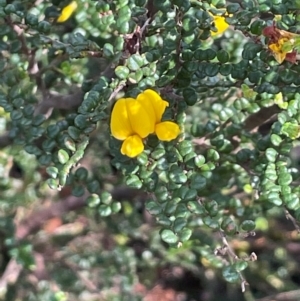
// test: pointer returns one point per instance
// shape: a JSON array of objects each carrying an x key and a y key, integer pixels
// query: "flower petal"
[
  {"x": 278, "y": 54},
  {"x": 132, "y": 146},
  {"x": 67, "y": 12},
  {"x": 120, "y": 124},
  {"x": 291, "y": 57},
  {"x": 220, "y": 24},
  {"x": 141, "y": 122},
  {"x": 167, "y": 130},
  {"x": 153, "y": 103}
]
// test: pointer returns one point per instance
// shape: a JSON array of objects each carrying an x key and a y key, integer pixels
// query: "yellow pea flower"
[
  {"x": 155, "y": 106},
  {"x": 132, "y": 120},
  {"x": 277, "y": 50},
  {"x": 153, "y": 103},
  {"x": 67, "y": 12},
  {"x": 281, "y": 43},
  {"x": 132, "y": 146},
  {"x": 220, "y": 24},
  {"x": 167, "y": 130}
]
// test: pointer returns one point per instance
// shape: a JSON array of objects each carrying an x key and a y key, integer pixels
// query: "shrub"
[{"x": 215, "y": 161}]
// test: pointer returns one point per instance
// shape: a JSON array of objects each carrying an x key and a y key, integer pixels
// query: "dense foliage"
[{"x": 195, "y": 198}]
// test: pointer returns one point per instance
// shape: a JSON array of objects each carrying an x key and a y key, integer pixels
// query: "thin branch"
[
  {"x": 227, "y": 248},
  {"x": 38, "y": 218},
  {"x": 5, "y": 140},
  {"x": 260, "y": 117},
  {"x": 62, "y": 102},
  {"x": 116, "y": 91},
  {"x": 20, "y": 34},
  {"x": 230, "y": 251},
  {"x": 91, "y": 287},
  {"x": 293, "y": 220},
  {"x": 10, "y": 276}
]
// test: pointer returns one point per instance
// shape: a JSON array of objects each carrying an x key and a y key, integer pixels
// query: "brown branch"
[
  {"x": 10, "y": 276},
  {"x": 38, "y": 218},
  {"x": 227, "y": 249},
  {"x": 260, "y": 117},
  {"x": 20, "y": 35},
  {"x": 90, "y": 286},
  {"x": 292, "y": 219},
  {"x": 5, "y": 140},
  {"x": 230, "y": 251},
  {"x": 62, "y": 102},
  {"x": 116, "y": 91}
]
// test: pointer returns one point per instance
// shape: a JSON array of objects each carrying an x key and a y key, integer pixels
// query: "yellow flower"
[
  {"x": 153, "y": 103},
  {"x": 132, "y": 120},
  {"x": 220, "y": 24},
  {"x": 283, "y": 48},
  {"x": 281, "y": 43},
  {"x": 280, "y": 49},
  {"x": 67, "y": 12},
  {"x": 132, "y": 146},
  {"x": 155, "y": 106},
  {"x": 167, "y": 130}
]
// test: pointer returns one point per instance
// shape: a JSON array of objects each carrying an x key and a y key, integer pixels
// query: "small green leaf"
[
  {"x": 251, "y": 50},
  {"x": 197, "y": 182},
  {"x": 190, "y": 96},
  {"x": 232, "y": 8},
  {"x": 284, "y": 179},
  {"x": 106, "y": 198},
  {"x": 78, "y": 190},
  {"x": 52, "y": 171},
  {"x": 70, "y": 144},
  {"x": 185, "y": 147},
  {"x": 229, "y": 226},
  {"x": 53, "y": 183},
  {"x": 134, "y": 182},
  {"x": 185, "y": 234},
  {"x": 178, "y": 177},
  {"x": 248, "y": 225},
  {"x": 93, "y": 200},
  {"x": 74, "y": 132},
  {"x": 93, "y": 186},
  {"x": 212, "y": 208},
  {"x": 225, "y": 69},
  {"x": 179, "y": 224},
  {"x": 116, "y": 207},
  {"x": 122, "y": 72},
  {"x": 223, "y": 56},
  {"x": 210, "y": 222},
  {"x": 81, "y": 174},
  {"x": 199, "y": 160},
  {"x": 153, "y": 208},
  {"x": 291, "y": 130},
  {"x": 240, "y": 266},
  {"x": 63, "y": 156},
  {"x": 44, "y": 27},
  {"x": 135, "y": 62},
  {"x": 230, "y": 274},
  {"x": 104, "y": 210},
  {"x": 271, "y": 154},
  {"x": 31, "y": 19},
  {"x": 168, "y": 236}
]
